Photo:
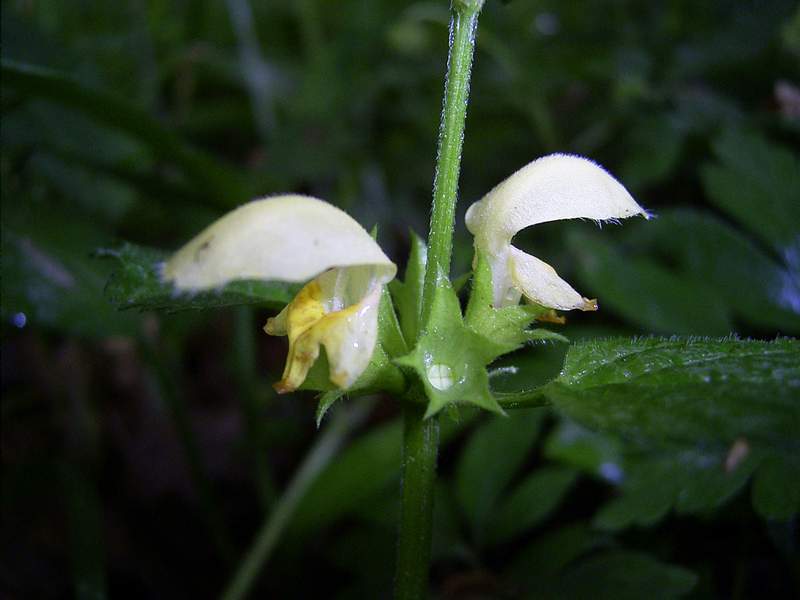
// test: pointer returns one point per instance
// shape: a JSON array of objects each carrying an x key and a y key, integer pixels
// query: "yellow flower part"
[
  {"x": 319, "y": 316},
  {"x": 550, "y": 188},
  {"x": 296, "y": 239}
]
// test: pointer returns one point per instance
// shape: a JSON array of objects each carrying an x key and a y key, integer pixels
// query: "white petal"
[
  {"x": 540, "y": 283},
  {"x": 550, "y": 188},
  {"x": 350, "y": 346},
  {"x": 285, "y": 238},
  {"x": 324, "y": 314}
]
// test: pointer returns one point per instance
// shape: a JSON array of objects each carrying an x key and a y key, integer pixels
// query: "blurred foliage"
[{"x": 142, "y": 121}]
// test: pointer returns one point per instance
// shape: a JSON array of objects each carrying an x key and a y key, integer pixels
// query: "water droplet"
[{"x": 440, "y": 376}]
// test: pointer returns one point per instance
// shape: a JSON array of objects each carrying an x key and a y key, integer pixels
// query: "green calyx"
[
  {"x": 505, "y": 329},
  {"x": 408, "y": 293},
  {"x": 450, "y": 358},
  {"x": 452, "y": 352}
]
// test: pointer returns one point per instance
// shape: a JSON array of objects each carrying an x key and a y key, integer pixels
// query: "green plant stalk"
[
  {"x": 420, "y": 449},
  {"x": 320, "y": 455},
  {"x": 421, "y": 436},
  {"x": 463, "y": 25}
]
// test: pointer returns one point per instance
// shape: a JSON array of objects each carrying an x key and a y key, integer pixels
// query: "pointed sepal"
[
  {"x": 326, "y": 400},
  {"x": 450, "y": 358},
  {"x": 503, "y": 329},
  {"x": 408, "y": 293}
]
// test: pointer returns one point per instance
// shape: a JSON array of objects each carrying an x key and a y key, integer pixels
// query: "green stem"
[
  {"x": 420, "y": 445},
  {"x": 320, "y": 455},
  {"x": 463, "y": 24},
  {"x": 421, "y": 436}
]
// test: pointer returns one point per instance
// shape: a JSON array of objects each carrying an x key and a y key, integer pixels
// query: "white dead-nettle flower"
[
  {"x": 297, "y": 239},
  {"x": 550, "y": 188}
]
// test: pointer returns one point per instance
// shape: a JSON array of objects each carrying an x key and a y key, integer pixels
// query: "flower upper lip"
[
  {"x": 551, "y": 188},
  {"x": 283, "y": 238}
]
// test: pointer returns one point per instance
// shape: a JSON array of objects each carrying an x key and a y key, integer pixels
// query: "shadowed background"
[{"x": 141, "y": 451}]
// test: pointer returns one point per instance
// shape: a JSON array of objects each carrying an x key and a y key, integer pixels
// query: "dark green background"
[{"x": 141, "y": 451}]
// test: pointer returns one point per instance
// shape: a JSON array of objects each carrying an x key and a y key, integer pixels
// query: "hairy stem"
[
  {"x": 421, "y": 436},
  {"x": 420, "y": 445},
  {"x": 463, "y": 25}
]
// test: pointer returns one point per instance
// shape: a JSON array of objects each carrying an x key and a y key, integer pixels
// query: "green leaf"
[
  {"x": 651, "y": 483},
  {"x": 545, "y": 335},
  {"x": 450, "y": 359},
  {"x": 701, "y": 248},
  {"x": 559, "y": 566},
  {"x": 360, "y": 472},
  {"x": 550, "y": 554},
  {"x": 699, "y": 416},
  {"x": 363, "y": 471},
  {"x": 224, "y": 187},
  {"x": 363, "y": 554},
  {"x": 776, "y": 490},
  {"x": 758, "y": 184},
  {"x": 517, "y": 379},
  {"x": 623, "y": 575},
  {"x": 531, "y": 502},
  {"x": 408, "y": 294},
  {"x": 448, "y": 538},
  {"x": 653, "y": 150},
  {"x": 50, "y": 280},
  {"x": 594, "y": 453},
  {"x": 646, "y": 293},
  {"x": 136, "y": 283},
  {"x": 493, "y": 455},
  {"x": 658, "y": 391},
  {"x": 690, "y": 481}
]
